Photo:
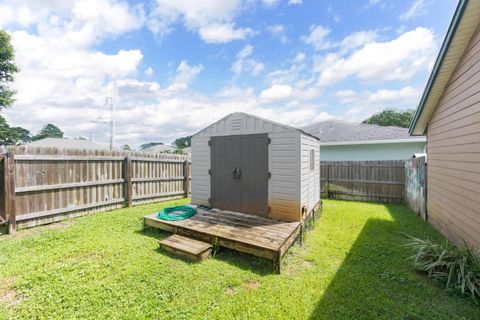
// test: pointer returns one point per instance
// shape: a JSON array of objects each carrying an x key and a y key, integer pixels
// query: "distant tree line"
[
  {"x": 18, "y": 135},
  {"x": 390, "y": 117}
]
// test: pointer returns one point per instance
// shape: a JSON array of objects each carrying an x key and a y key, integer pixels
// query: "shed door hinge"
[
  {"x": 269, "y": 175},
  {"x": 209, "y": 142},
  {"x": 269, "y": 140},
  {"x": 210, "y": 171}
]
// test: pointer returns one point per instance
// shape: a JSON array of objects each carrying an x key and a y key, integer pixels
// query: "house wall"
[
  {"x": 284, "y": 163},
  {"x": 310, "y": 179},
  {"x": 453, "y": 135},
  {"x": 363, "y": 152}
]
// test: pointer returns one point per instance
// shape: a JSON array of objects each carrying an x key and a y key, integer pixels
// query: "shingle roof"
[
  {"x": 159, "y": 148},
  {"x": 339, "y": 131},
  {"x": 63, "y": 143}
]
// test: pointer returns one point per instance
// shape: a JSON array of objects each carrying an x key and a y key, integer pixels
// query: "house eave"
[{"x": 462, "y": 26}]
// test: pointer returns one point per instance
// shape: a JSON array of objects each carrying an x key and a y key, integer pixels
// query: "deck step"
[{"x": 187, "y": 247}]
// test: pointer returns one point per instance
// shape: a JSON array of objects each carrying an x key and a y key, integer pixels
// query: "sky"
[{"x": 179, "y": 65}]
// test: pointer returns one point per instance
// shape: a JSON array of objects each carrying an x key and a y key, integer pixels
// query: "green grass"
[{"x": 351, "y": 266}]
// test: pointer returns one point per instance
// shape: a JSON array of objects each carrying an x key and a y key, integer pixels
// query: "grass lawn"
[{"x": 104, "y": 266}]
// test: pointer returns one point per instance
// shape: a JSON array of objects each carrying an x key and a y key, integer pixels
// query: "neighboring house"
[
  {"x": 64, "y": 143},
  {"x": 449, "y": 114},
  {"x": 187, "y": 150},
  {"x": 343, "y": 140},
  {"x": 160, "y": 148}
]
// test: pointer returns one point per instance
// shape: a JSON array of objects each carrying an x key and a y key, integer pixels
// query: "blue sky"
[{"x": 179, "y": 65}]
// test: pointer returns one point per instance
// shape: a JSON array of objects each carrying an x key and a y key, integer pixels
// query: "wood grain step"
[{"x": 187, "y": 247}]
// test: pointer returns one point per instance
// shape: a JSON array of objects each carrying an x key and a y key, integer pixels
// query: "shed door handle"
[{"x": 236, "y": 173}]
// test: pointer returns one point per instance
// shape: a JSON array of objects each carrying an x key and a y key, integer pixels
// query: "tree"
[
  {"x": 390, "y": 117},
  {"x": 49, "y": 131},
  {"x": 7, "y": 70},
  {"x": 149, "y": 144},
  {"x": 126, "y": 147},
  {"x": 12, "y": 135},
  {"x": 183, "y": 142}
]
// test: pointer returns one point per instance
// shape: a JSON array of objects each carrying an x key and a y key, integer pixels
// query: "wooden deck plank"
[
  {"x": 222, "y": 231},
  {"x": 242, "y": 232}
]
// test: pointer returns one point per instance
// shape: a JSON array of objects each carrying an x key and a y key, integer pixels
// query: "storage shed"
[{"x": 248, "y": 164}]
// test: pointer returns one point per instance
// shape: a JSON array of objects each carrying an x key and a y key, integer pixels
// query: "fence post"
[
  {"x": 128, "y": 180},
  {"x": 186, "y": 177},
  {"x": 8, "y": 200}
]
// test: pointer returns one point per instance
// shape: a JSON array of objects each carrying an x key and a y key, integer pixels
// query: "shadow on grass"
[
  {"x": 376, "y": 280},
  {"x": 259, "y": 266}
]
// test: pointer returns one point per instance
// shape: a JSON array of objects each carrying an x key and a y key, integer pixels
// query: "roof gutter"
[
  {"x": 462, "y": 4},
  {"x": 385, "y": 141}
]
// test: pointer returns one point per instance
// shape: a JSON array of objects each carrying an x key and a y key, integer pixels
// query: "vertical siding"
[
  {"x": 453, "y": 203},
  {"x": 310, "y": 179},
  {"x": 200, "y": 183},
  {"x": 284, "y": 185},
  {"x": 284, "y": 162}
]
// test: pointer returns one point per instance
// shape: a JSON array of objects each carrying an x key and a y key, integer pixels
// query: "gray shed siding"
[{"x": 284, "y": 187}]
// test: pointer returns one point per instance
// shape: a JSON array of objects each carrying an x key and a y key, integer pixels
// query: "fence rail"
[
  {"x": 379, "y": 181},
  {"x": 45, "y": 185}
]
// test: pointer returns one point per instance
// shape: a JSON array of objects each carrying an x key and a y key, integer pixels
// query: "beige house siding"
[{"x": 453, "y": 146}]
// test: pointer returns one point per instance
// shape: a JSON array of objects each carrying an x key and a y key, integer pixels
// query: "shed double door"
[{"x": 239, "y": 173}]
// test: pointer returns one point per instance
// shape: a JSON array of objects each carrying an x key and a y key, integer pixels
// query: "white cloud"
[
  {"x": 149, "y": 72},
  {"x": 278, "y": 32},
  {"x": 294, "y": 2},
  {"x": 184, "y": 75},
  {"x": 317, "y": 37},
  {"x": 222, "y": 33},
  {"x": 398, "y": 59},
  {"x": 418, "y": 8},
  {"x": 270, "y": 3},
  {"x": 363, "y": 104},
  {"x": 358, "y": 39},
  {"x": 245, "y": 64},
  {"x": 276, "y": 92},
  {"x": 213, "y": 20}
]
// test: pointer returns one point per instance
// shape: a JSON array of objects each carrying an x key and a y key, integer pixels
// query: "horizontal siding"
[
  {"x": 454, "y": 153},
  {"x": 310, "y": 179}
]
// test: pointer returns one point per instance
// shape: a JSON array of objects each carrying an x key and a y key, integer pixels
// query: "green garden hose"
[{"x": 166, "y": 213}]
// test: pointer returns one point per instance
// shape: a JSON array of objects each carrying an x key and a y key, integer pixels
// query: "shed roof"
[
  {"x": 64, "y": 143},
  {"x": 462, "y": 26},
  {"x": 331, "y": 131},
  {"x": 249, "y": 116}
]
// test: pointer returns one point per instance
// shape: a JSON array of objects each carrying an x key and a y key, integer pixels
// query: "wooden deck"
[{"x": 242, "y": 232}]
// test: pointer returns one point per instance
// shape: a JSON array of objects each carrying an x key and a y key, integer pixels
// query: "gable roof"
[
  {"x": 463, "y": 25},
  {"x": 345, "y": 132},
  {"x": 239, "y": 119},
  {"x": 64, "y": 143}
]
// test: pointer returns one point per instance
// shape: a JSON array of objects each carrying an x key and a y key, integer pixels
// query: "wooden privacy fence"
[
  {"x": 45, "y": 185},
  {"x": 379, "y": 181},
  {"x": 415, "y": 186}
]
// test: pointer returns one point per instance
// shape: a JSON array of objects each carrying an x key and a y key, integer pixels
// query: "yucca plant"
[{"x": 458, "y": 268}]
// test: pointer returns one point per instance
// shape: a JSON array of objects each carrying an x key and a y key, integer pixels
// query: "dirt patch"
[
  {"x": 230, "y": 291},
  {"x": 35, "y": 231},
  {"x": 8, "y": 294},
  {"x": 252, "y": 284},
  {"x": 308, "y": 264}
]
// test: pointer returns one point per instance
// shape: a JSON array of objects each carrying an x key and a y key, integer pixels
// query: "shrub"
[{"x": 458, "y": 268}]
